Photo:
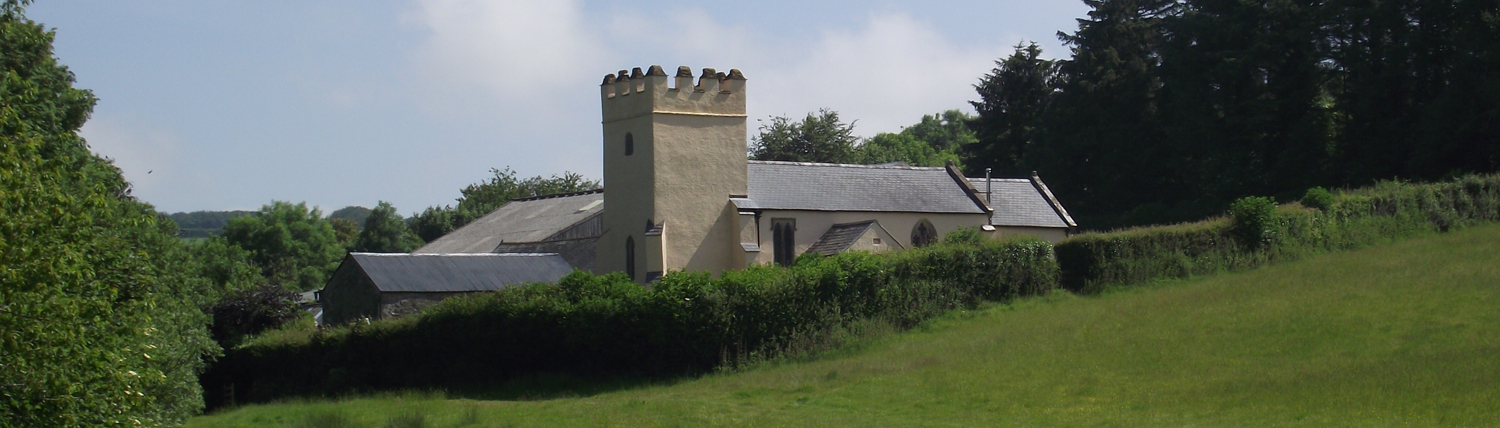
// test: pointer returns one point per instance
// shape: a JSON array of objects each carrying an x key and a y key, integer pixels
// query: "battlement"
[{"x": 633, "y": 93}]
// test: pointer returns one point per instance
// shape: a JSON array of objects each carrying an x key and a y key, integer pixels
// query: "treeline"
[{"x": 1168, "y": 110}]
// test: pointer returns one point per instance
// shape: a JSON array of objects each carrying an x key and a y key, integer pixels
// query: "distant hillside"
[
  {"x": 355, "y": 214},
  {"x": 203, "y": 224}
]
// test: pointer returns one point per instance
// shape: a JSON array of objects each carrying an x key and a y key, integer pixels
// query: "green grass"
[{"x": 1406, "y": 334}]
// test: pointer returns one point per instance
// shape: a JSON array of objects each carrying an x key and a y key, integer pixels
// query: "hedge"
[
  {"x": 1381, "y": 213},
  {"x": 587, "y": 325}
]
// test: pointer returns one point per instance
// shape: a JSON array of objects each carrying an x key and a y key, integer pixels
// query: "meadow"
[{"x": 1403, "y": 334}]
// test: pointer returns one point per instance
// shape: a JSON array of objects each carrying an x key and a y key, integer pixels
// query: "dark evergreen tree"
[{"x": 1013, "y": 99}]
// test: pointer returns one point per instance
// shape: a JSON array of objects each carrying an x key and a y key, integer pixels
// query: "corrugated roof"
[
  {"x": 840, "y": 237},
  {"x": 839, "y": 187},
  {"x": 522, "y": 220},
  {"x": 446, "y": 273},
  {"x": 1018, "y": 202}
]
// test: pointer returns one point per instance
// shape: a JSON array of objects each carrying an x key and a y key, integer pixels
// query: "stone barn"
[{"x": 378, "y": 286}]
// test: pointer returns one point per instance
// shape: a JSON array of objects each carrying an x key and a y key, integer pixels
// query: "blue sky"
[{"x": 229, "y": 105}]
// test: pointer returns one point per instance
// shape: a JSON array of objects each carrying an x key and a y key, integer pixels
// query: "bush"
[
  {"x": 964, "y": 235},
  {"x": 1318, "y": 198},
  {"x": 588, "y": 325},
  {"x": 1253, "y": 217}
]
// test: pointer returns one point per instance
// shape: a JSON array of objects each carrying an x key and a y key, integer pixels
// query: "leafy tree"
[
  {"x": 100, "y": 319},
  {"x": 346, "y": 231},
  {"x": 946, "y": 131},
  {"x": 293, "y": 245},
  {"x": 226, "y": 266},
  {"x": 386, "y": 232},
  {"x": 887, "y": 147},
  {"x": 432, "y": 223},
  {"x": 820, "y": 137}
]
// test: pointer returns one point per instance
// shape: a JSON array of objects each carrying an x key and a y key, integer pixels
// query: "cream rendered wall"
[
  {"x": 811, "y": 225},
  {"x": 689, "y": 159}
]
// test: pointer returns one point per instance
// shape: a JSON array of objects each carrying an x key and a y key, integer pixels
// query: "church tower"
[{"x": 673, "y": 158}]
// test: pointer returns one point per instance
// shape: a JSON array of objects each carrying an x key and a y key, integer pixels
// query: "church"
[{"x": 680, "y": 195}]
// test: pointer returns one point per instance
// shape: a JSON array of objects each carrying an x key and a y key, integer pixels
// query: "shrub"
[
  {"x": 250, "y": 311},
  {"x": 1253, "y": 217},
  {"x": 1318, "y": 198},
  {"x": 964, "y": 235}
]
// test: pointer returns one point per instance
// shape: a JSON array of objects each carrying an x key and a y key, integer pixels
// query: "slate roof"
[
  {"x": 1021, "y": 202},
  {"x": 840, "y": 237},
  {"x": 838, "y": 187},
  {"x": 446, "y": 273},
  {"x": 521, "y": 220}
]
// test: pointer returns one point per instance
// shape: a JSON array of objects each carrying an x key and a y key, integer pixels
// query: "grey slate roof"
[
  {"x": 839, "y": 187},
  {"x": 1020, "y": 202},
  {"x": 840, "y": 237},
  {"x": 447, "y": 273},
  {"x": 521, "y": 220}
]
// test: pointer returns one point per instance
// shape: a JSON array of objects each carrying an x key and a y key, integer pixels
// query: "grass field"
[{"x": 1400, "y": 335}]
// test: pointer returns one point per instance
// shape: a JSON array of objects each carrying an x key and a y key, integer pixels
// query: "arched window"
[
  {"x": 630, "y": 257},
  {"x": 923, "y": 233},
  {"x": 784, "y": 240},
  {"x": 629, "y": 144}
]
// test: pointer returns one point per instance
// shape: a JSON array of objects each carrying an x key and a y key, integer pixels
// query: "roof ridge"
[
  {"x": 559, "y": 195},
  {"x": 849, "y": 165}
]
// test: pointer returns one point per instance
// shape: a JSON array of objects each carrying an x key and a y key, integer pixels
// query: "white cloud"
[
  {"x": 886, "y": 75},
  {"x": 522, "y": 76},
  {"x": 514, "y": 47}
]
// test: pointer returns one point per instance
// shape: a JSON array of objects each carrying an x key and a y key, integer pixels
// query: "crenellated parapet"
[{"x": 633, "y": 93}]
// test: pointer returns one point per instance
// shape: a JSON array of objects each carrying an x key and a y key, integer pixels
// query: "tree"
[
  {"x": 345, "y": 231},
  {"x": 386, "y": 232},
  {"x": 946, "y": 131},
  {"x": 887, "y": 147},
  {"x": 246, "y": 312},
  {"x": 100, "y": 316},
  {"x": 293, "y": 245},
  {"x": 1013, "y": 99},
  {"x": 820, "y": 137},
  {"x": 432, "y": 223}
]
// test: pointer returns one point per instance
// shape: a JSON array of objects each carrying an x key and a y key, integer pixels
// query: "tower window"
[
  {"x": 629, "y": 144},
  {"x": 630, "y": 257},
  {"x": 923, "y": 233}
]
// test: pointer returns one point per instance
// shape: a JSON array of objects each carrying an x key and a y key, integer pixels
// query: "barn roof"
[
  {"x": 447, "y": 273},
  {"x": 840, "y": 237},
  {"x": 521, "y": 220},
  {"x": 1023, "y": 202},
  {"x": 840, "y": 187}
]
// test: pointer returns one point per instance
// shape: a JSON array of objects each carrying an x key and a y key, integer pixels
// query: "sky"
[{"x": 217, "y": 105}]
